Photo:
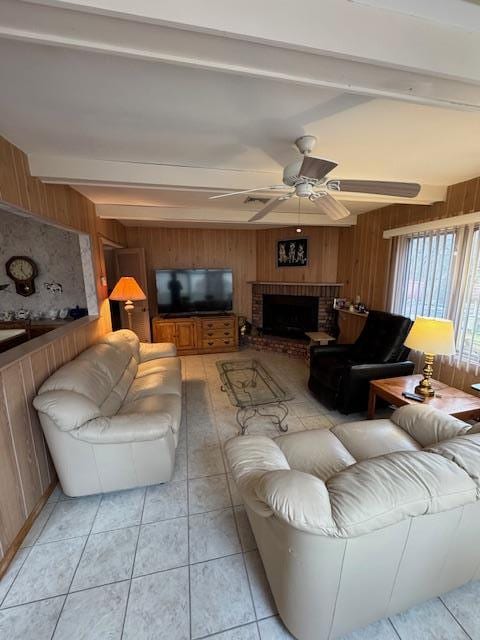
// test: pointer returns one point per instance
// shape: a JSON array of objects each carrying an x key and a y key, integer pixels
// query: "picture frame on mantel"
[{"x": 292, "y": 252}]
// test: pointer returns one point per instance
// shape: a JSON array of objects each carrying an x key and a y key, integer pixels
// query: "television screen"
[{"x": 194, "y": 290}]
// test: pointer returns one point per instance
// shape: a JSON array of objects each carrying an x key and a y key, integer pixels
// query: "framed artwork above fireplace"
[{"x": 292, "y": 253}]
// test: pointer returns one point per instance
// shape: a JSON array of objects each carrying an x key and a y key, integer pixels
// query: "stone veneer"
[{"x": 325, "y": 293}]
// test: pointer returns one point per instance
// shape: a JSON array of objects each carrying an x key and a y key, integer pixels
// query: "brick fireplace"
[{"x": 323, "y": 293}]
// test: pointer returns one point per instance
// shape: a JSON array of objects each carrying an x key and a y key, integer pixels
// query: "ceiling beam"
[
  {"x": 223, "y": 216},
  {"x": 265, "y": 51},
  {"x": 335, "y": 27},
  {"x": 84, "y": 171}
]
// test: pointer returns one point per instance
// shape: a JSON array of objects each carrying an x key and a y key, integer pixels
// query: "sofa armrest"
[
  {"x": 67, "y": 409},
  {"x": 317, "y": 351},
  {"x": 427, "y": 425},
  {"x": 155, "y": 350},
  {"x": 372, "y": 371},
  {"x": 249, "y": 458},
  {"x": 133, "y": 427},
  {"x": 299, "y": 499}
]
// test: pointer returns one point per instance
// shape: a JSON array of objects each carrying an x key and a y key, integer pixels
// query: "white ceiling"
[{"x": 107, "y": 121}]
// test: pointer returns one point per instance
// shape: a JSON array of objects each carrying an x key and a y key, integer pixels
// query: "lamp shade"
[
  {"x": 432, "y": 335},
  {"x": 127, "y": 288}
]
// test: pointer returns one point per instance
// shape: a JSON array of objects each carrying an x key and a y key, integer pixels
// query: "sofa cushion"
[
  {"x": 381, "y": 491},
  {"x": 168, "y": 403},
  {"x": 155, "y": 350},
  {"x": 370, "y": 438},
  {"x": 94, "y": 373},
  {"x": 316, "y": 451},
  {"x": 125, "y": 341},
  {"x": 428, "y": 425},
  {"x": 158, "y": 365},
  {"x": 114, "y": 400},
  {"x": 155, "y": 383}
]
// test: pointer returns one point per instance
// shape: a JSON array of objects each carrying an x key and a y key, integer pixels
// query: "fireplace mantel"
[{"x": 297, "y": 284}]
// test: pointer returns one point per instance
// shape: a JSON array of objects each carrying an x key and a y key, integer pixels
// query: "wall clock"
[{"x": 22, "y": 271}]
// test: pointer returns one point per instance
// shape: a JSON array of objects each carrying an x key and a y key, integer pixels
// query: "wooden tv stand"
[{"x": 197, "y": 334}]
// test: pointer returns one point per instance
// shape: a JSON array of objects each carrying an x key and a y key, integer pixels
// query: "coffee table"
[
  {"x": 447, "y": 399},
  {"x": 254, "y": 391}
]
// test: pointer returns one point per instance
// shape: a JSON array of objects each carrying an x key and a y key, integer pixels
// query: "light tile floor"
[{"x": 179, "y": 561}]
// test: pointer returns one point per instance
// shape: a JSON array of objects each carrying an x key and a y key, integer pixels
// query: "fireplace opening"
[{"x": 290, "y": 316}]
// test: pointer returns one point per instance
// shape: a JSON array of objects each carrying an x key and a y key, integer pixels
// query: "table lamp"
[
  {"x": 433, "y": 336},
  {"x": 127, "y": 290}
]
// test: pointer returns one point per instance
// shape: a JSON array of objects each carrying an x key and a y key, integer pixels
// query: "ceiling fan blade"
[
  {"x": 272, "y": 204},
  {"x": 399, "y": 189},
  {"x": 316, "y": 168},
  {"x": 237, "y": 193},
  {"x": 331, "y": 207}
]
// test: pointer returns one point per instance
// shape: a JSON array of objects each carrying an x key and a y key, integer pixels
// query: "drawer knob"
[
  {"x": 210, "y": 343},
  {"x": 209, "y": 333},
  {"x": 225, "y": 333},
  {"x": 226, "y": 342}
]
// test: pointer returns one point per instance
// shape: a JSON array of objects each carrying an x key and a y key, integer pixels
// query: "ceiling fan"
[{"x": 308, "y": 177}]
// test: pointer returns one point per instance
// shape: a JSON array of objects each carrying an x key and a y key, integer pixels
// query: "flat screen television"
[{"x": 187, "y": 291}]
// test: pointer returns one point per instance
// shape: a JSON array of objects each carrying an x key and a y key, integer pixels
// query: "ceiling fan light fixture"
[{"x": 304, "y": 190}]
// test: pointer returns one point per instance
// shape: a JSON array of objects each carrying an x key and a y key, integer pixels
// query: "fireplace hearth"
[{"x": 289, "y": 316}]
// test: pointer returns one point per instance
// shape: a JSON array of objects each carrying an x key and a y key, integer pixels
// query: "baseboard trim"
[{"x": 19, "y": 538}]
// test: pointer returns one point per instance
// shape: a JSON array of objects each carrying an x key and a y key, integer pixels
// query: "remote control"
[{"x": 413, "y": 396}]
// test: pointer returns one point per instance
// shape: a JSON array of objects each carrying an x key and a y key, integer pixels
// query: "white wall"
[{"x": 57, "y": 255}]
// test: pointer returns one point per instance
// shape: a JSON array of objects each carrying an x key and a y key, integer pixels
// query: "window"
[
  {"x": 437, "y": 274},
  {"x": 426, "y": 274}
]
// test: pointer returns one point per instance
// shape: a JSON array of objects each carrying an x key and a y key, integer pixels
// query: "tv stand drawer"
[
  {"x": 208, "y": 334},
  {"x": 217, "y": 324},
  {"x": 216, "y": 343}
]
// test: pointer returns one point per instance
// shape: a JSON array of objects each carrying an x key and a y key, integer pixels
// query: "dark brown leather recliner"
[{"x": 340, "y": 374}]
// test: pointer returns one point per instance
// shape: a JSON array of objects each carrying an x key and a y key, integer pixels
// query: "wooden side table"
[
  {"x": 319, "y": 337},
  {"x": 447, "y": 399}
]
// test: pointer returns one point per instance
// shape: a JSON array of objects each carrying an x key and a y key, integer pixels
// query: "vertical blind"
[{"x": 437, "y": 274}]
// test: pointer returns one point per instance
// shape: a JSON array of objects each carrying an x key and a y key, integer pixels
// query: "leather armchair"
[{"x": 340, "y": 374}]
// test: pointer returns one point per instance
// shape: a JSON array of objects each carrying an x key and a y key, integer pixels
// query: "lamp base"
[{"x": 424, "y": 388}]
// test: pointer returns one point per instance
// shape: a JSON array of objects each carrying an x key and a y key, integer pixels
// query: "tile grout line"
[
  {"x": 455, "y": 618},
  {"x": 188, "y": 507},
  {"x": 394, "y": 629},
  {"x": 16, "y": 576},
  {"x": 76, "y": 569},
  {"x": 133, "y": 566}
]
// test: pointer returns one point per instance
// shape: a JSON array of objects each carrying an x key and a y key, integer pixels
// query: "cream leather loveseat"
[
  {"x": 365, "y": 520},
  {"x": 111, "y": 416}
]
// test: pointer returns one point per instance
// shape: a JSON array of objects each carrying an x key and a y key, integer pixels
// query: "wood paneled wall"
[
  {"x": 189, "y": 248},
  {"x": 25, "y": 467},
  {"x": 322, "y": 255},
  {"x": 364, "y": 257}
]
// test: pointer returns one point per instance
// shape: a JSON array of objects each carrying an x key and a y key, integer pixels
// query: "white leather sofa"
[
  {"x": 111, "y": 416},
  {"x": 365, "y": 520}
]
